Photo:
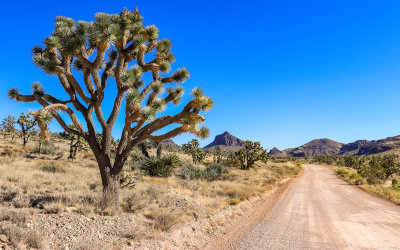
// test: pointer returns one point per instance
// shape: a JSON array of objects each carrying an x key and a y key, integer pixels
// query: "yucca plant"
[{"x": 114, "y": 46}]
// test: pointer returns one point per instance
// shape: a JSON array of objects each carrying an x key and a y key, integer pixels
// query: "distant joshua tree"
[
  {"x": 83, "y": 46},
  {"x": 250, "y": 154},
  {"x": 27, "y": 123},
  {"x": 8, "y": 126}
]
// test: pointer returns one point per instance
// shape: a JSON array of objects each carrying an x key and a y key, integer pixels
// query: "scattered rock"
[{"x": 3, "y": 239}]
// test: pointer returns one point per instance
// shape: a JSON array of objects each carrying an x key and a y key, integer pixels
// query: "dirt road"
[{"x": 321, "y": 211}]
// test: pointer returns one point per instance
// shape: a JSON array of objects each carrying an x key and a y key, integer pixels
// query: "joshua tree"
[
  {"x": 83, "y": 46},
  {"x": 8, "y": 126},
  {"x": 27, "y": 123},
  {"x": 192, "y": 148},
  {"x": 250, "y": 153},
  {"x": 218, "y": 156}
]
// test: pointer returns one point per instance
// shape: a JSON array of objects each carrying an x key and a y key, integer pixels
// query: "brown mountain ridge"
[{"x": 329, "y": 147}]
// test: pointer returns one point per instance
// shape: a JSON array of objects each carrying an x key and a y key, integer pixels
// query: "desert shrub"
[
  {"x": 192, "y": 172},
  {"x": 358, "y": 180},
  {"x": 20, "y": 203},
  {"x": 396, "y": 184},
  {"x": 233, "y": 202},
  {"x": 134, "y": 164},
  {"x": 355, "y": 162},
  {"x": 355, "y": 176},
  {"x": 13, "y": 216},
  {"x": 373, "y": 174},
  {"x": 382, "y": 167},
  {"x": 342, "y": 172},
  {"x": 210, "y": 173},
  {"x": 17, "y": 235},
  {"x": 54, "y": 207},
  {"x": 162, "y": 219},
  {"x": 40, "y": 148},
  {"x": 214, "y": 171}
]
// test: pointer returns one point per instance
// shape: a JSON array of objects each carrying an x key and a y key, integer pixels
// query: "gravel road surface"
[{"x": 321, "y": 211}]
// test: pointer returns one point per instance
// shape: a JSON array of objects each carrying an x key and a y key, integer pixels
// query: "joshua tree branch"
[{"x": 170, "y": 134}]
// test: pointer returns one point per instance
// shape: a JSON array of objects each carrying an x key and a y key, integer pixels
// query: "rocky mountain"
[
  {"x": 226, "y": 142},
  {"x": 316, "y": 147},
  {"x": 353, "y": 148},
  {"x": 276, "y": 152},
  {"x": 378, "y": 146},
  {"x": 330, "y": 147},
  {"x": 171, "y": 144}
]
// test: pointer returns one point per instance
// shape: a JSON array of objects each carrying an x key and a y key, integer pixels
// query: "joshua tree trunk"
[
  {"x": 159, "y": 150},
  {"x": 111, "y": 183}
]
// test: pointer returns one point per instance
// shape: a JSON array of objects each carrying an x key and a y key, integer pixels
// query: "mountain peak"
[{"x": 225, "y": 139}]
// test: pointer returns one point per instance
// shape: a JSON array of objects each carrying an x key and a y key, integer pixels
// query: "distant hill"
[
  {"x": 316, "y": 147},
  {"x": 276, "y": 152},
  {"x": 226, "y": 142},
  {"x": 329, "y": 147},
  {"x": 170, "y": 143}
]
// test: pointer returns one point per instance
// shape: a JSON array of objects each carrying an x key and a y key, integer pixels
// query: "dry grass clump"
[
  {"x": 54, "y": 167},
  {"x": 162, "y": 219},
  {"x": 13, "y": 216},
  {"x": 22, "y": 238},
  {"x": 54, "y": 207}
]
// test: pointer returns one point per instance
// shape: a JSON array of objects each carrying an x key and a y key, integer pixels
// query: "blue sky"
[{"x": 280, "y": 72}]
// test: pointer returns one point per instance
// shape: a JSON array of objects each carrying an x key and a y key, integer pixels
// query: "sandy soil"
[{"x": 320, "y": 211}]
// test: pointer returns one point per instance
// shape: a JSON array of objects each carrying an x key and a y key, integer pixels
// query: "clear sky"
[{"x": 280, "y": 72}]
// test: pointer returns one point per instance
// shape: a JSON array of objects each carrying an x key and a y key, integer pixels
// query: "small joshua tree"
[
  {"x": 114, "y": 46},
  {"x": 27, "y": 124},
  {"x": 192, "y": 148},
  {"x": 76, "y": 142},
  {"x": 250, "y": 154},
  {"x": 218, "y": 156},
  {"x": 8, "y": 126}
]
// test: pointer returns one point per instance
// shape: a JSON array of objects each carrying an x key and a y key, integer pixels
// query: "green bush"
[
  {"x": 342, "y": 172},
  {"x": 373, "y": 174},
  {"x": 44, "y": 149},
  {"x": 192, "y": 172},
  {"x": 214, "y": 171},
  {"x": 355, "y": 176},
  {"x": 395, "y": 182},
  {"x": 211, "y": 173},
  {"x": 233, "y": 202}
]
